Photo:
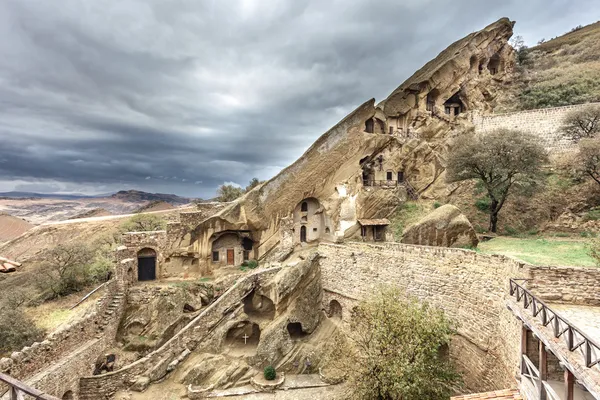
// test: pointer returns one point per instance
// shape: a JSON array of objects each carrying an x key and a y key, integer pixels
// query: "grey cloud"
[{"x": 98, "y": 96}]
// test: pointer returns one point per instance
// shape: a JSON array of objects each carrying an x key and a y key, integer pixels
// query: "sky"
[{"x": 181, "y": 96}]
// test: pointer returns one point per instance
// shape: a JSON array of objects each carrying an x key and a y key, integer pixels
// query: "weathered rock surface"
[{"x": 446, "y": 227}]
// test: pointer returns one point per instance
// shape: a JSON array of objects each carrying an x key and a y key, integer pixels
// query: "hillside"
[
  {"x": 559, "y": 72},
  {"x": 12, "y": 227},
  {"x": 138, "y": 196},
  {"x": 155, "y": 206}
]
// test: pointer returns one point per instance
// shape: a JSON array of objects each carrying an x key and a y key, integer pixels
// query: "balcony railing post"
[
  {"x": 588, "y": 353},
  {"x": 570, "y": 338}
]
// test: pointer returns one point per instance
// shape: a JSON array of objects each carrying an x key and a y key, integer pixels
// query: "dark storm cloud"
[{"x": 181, "y": 96}]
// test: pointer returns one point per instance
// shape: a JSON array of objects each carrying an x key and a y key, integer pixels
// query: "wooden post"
[
  {"x": 523, "y": 346},
  {"x": 543, "y": 368},
  {"x": 569, "y": 383}
]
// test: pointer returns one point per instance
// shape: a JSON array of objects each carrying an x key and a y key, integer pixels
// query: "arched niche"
[
  {"x": 335, "y": 309},
  {"x": 68, "y": 395},
  {"x": 494, "y": 66}
]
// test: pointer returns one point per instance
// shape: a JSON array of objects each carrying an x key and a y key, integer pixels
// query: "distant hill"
[
  {"x": 133, "y": 196},
  {"x": 156, "y": 205},
  {"x": 559, "y": 72},
  {"x": 96, "y": 212},
  {"x": 12, "y": 227},
  {"x": 136, "y": 196}
]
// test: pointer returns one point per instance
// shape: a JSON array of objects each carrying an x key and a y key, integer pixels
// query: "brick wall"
[{"x": 545, "y": 123}]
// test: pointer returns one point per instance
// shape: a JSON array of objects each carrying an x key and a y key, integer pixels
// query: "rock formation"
[{"x": 445, "y": 226}]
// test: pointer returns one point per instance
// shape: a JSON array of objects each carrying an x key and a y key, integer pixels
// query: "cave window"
[
  {"x": 494, "y": 64},
  {"x": 295, "y": 330},
  {"x": 400, "y": 176},
  {"x": 304, "y": 207},
  {"x": 215, "y": 256},
  {"x": 391, "y": 130},
  {"x": 389, "y": 175},
  {"x": 335, "y": 309},
  {"x": 246, "y": 255},
  {"x": 327, "y": 230},
  {"x": 314, "y": 229},
  {"x": 370, "y": 125}
]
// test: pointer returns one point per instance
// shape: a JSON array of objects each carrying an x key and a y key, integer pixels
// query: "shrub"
[
  {"x": 437, "y": 204},
  {"x": 252, "y": 264},
  {"x": 592, "y": 215},
  {"x": 509, "y": 230},
  {"x": 483, "y": 204},
  {"x": 270, "y": 373},
  {"x": 594, "y": 251},
  {"x": 16, "y": 328},
  {"x": 143, "y": 223}
]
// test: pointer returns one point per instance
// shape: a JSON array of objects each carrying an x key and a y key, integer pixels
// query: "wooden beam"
[
  {"x": 523, "y": 346},
  {"x": 543, "y": 368},
  {"x": 569, "y": 384}
]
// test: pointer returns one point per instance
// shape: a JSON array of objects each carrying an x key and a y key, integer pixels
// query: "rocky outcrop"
[{"x": 445, "y": 227}]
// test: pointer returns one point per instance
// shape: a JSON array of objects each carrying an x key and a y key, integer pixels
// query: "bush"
[
  {"x": 483, "y": 204},
  {"x": 594, "y": 251},
  {"x": 143, "y": 223},
  {"x": 437, "y": 204},
  {"x": 592, "y": 215},
  {"x": 509, "y": 230},
  {"x": 270, "y": 373},
  {"x": 16, "y": 329}
]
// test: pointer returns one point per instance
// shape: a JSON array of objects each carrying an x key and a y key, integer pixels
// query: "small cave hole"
[
  {"x": 258, "y": 306},
  {"x": 187, "y": 308},
  {"x": 243, "y": 338},
  {"x": 295, "y": 330},
  {"x": 335, "y": 309}
]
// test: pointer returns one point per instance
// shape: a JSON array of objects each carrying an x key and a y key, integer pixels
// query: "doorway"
[
  {"x": 230, "y": 257},
  {"x": 146, "y": 265},
  {"x": 303, "y": 234}
]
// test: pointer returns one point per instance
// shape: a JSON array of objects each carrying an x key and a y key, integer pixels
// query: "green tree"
[
  {"x": 594, "y": 250},
  {"x": 583, "y": 123},
  {"x": 500, "y": 160},
  {"x": 394, "y": 350},
  {"x": 588, "y": 158},
  {"x": 228, "y": 193},
  {"x": 254, "y": 182},
  {"x": 144, "y": 223}
]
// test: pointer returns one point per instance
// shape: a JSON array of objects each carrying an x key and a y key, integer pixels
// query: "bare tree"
[
  {"x": 583, "y": 123},
  {"x": 588, "y": 158},
  {"x": 499, "y": 160}
]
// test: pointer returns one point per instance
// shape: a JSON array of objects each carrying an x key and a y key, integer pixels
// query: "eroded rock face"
[{"x": 445, "y": 227}]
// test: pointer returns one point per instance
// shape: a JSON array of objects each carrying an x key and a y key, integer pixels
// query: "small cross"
[{"x": 245, "y": 338}]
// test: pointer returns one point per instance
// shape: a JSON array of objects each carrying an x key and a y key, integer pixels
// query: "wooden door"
[
  {"x": 146, "y": 268},
  {"x": 230, "y": 257}
]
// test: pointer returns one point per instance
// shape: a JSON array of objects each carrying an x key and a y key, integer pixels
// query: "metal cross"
[{"x": 245, "y": 338}]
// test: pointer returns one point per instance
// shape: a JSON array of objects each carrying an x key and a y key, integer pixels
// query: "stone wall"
[
  {"x": 155, "y": 364},
  {"x": 55, "y": 365},
  {"x": 570, "y": 285},
  {"x": 545, "y": 123}
]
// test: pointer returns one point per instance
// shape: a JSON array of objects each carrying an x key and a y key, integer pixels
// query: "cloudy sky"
[{"x": 180, "y": 96}]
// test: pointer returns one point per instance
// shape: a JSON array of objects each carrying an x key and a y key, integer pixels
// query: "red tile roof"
[{"x": 507, "y": 394}]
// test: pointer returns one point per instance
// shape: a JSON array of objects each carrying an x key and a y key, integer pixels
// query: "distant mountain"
[
  {"x": 133, "y": 196},
  {"x": 136, "y": 196},
  {"x": 30, "y": 195}
]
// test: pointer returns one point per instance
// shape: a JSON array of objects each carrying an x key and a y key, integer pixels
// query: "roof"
[
  {"x": 372, "y": 222},
  {"x": 7, "y": 265},
  {"x": 506, "y": 394}
]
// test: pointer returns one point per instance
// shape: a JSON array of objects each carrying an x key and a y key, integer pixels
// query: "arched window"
[
  {"x": 304, "y": 207},
  {"x": 303, "y": 234}
]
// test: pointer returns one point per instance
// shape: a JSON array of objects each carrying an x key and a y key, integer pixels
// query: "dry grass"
[{"x": 562, "y": 71}]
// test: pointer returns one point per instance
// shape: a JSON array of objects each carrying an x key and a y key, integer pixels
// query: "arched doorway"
[
  {"x": 303, "y": 234},
  {"x": 146, "y": 265},
  {"x": 370, "y": 125},
  {"x": 68, "y": 395}
]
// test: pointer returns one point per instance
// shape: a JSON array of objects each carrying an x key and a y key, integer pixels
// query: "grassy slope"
[
  {"x": 562, "y": 71},
  {"x": 541, "y": 251}
]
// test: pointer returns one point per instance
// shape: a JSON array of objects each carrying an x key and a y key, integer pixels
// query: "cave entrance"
[
  {"x": 370, "y": 125},
  {"x": 454, "y": 105},
  {"x": 295, "y": 330},
  {"x": 243, "y": 338},
  {"x": 68, "y": 395},
  {"x": 335, "y": 309},
  {"x": 494, "y": 64},
  {"x": 146, "y": 265},
  {"x": 258, "y": 306}
]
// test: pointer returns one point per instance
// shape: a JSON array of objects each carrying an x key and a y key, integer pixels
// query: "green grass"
[{"x": 541, "y": 251}]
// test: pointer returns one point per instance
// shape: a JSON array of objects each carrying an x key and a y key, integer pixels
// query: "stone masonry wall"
[
  {"x": 55, "y": 365},
  {"x": 545, "y": 123},
  {"x": 154, "y": 365},
  {"x": 470, "y": 287},
  {"x": 570, "y": 285}
]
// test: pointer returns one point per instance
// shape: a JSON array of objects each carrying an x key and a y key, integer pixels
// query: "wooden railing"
[
  {"x": 530, "y": 376},
  {"x": 575, "y": 339},
  {"x": 410, "y": 190},
  {"x": 17, "y": 390}
]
